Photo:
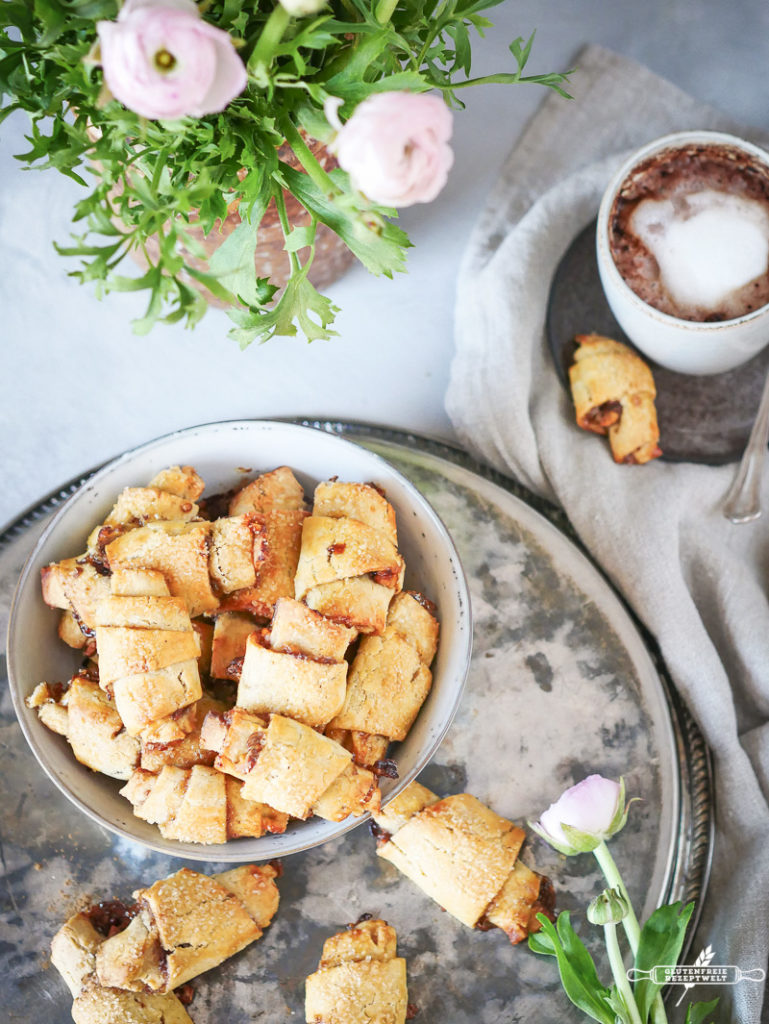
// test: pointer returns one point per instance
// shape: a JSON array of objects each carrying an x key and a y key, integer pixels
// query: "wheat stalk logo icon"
[{"x": 702, "y": 960}]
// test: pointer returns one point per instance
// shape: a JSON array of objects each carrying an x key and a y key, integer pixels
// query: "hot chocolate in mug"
[{"x": 683, "y": 250}]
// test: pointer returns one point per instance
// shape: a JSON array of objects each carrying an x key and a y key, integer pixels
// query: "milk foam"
[{"x": 707, "y": 244}]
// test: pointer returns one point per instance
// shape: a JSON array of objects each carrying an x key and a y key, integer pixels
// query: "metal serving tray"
[{"x": 563, "y": 682}]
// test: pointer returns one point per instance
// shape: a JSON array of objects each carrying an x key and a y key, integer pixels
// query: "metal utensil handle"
[{"x": 743, "y": 501}]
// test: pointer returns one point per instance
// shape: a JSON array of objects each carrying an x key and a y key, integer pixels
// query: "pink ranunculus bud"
[
  {"x": 161, "y": 60},
  {"x": 395, "y": 147},
  {"x": 584, "y": 815}
]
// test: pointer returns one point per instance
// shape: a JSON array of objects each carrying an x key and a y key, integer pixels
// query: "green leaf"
[
  {"x": 230, "y": 10},
  {"x": 82, "y": 249},
  {"x": 578, "y": 974},
  {"x": 463, "y": 54},
  {"x": 118, "y": 283},
  {"x": 661, "y": 941},
  {"x": 53, "y": 17},
  {"x": 359, "y": 60},
  {"x": 472, "y": 6},
  {"x": 233, "y": 261},
  {"x": 94, "y": 10},
  {"x": 311, "y": 36},
  {"x": 8, "y": 110},
  {"x": 697, "y": 1012},
  {"x": 300, "y": 237},
  {"x": 314, "y": 123},
  {"x": 379, "y": 246},
  {"x": 145, "y": 324},
  {"x": 355, "y": 91},
  {"x": 9, "y": 65},
  {"x": 521, "y": 50},
  {"x": 540, "y": 942},
  {"x": 617, "y": 1002},
  {"x": 300, "y": 305},
  {"x": 213, "y": 284}
]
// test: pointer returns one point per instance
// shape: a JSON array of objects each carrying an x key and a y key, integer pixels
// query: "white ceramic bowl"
[
  {"x": 681, "y": 345},
  {"x": 35, "y": 652}
]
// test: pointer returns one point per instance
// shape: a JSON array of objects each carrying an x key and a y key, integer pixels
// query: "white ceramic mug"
[{"x": 683, "y": 345}]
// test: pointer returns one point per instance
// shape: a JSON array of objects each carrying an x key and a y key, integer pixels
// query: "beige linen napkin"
[{"x": 698, "y": 582}]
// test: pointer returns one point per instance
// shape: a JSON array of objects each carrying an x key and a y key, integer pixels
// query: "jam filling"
[
  {"x": 545, "y": 902},
  {"x": 604, "y": 415},
  {"x": 427, "y": 604},
  {"x": 217, "y": 506},
  {"x": 386, "y": 767},
  {"x": 185, "y": 993},
  {"x": 380, "y": 834},
  {"x": 361, "y": 919},
  {"x": 254, "y": 745},
  {"x": 89, "y": 671},
  {"x": 386, "y": 577},
  {"x": 484, "y": 925},
  {"x": 235, "y": 668},
  {"x": 380, "y": 490},
  {"x": 110, "y": 917}
]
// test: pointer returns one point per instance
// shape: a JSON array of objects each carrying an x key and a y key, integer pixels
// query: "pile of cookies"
[
  {"x": 246, "y": 660},
  {"x": 132, "y": 964}
]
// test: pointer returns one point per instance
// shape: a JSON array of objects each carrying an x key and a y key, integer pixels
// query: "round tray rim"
[{"x": 691, "y": 870}]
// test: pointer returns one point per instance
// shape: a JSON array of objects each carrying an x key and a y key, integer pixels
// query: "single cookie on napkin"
[{"x": 613, "y": 391}]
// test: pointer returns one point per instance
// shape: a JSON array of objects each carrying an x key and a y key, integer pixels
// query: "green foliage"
[
  {"x": 698, "y": 1013},
  {"x": 661, "y": 942},
  {"x": 576, "y": 967},
  {"x": 148, "y": 183}
]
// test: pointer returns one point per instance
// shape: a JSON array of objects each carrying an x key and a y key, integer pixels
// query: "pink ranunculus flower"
[
  {"x": 395, "y": 147},
  {"x": 161, "y": 60},
  {"x": 584, "y": 815}
]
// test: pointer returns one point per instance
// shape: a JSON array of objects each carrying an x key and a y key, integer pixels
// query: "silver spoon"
[{"x": 743, "y": 501}]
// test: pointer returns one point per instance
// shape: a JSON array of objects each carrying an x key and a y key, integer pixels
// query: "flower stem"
[
  {"x": 307, "y": 159},
  {"x": 384, "y": 10},
  {"x": 272, "y": 33},
  {"x": 280, "y": 205},
  {"x": 436, "y": 26},
  {"x": 618, "y": 971},
  {"x": 553, "y": 79},
  {"x": 613, "y": 877},
  {"x": 630, "y": 923}
]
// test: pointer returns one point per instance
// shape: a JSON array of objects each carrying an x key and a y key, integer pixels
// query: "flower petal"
[
  {"x": 584, "y": 812},
  {"x": 230, "y": 76},
  {"x": 204, "y": 71},
  {"x": 395, "y": 147}
]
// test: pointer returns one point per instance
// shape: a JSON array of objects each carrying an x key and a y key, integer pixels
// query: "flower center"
[{"x": 165, "y": 61}]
